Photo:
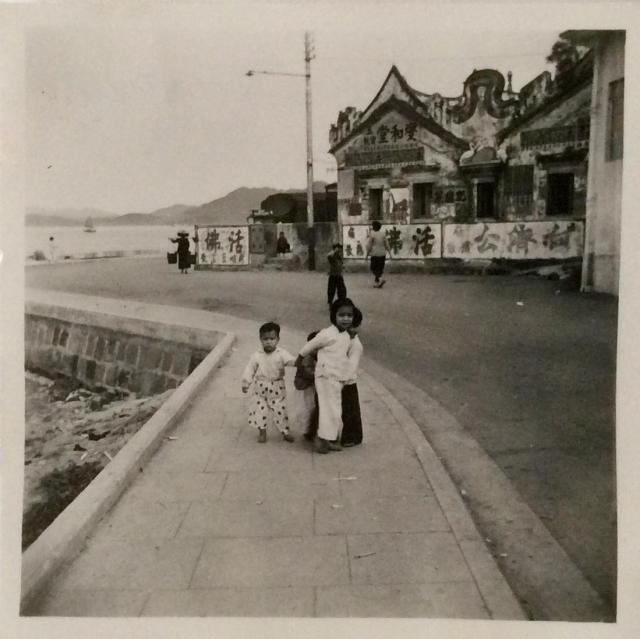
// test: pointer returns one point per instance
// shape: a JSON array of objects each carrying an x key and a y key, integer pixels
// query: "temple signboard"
[{"x": 384, "y": 156}]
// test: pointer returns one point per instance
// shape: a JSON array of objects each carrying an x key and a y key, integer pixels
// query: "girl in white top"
[{"x": 332, "y": 345}]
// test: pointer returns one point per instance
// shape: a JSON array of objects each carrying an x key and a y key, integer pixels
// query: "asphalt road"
[{"x": 526, "y": 365}]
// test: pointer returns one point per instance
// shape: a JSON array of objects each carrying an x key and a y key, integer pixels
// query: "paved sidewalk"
[{"x": 220, "y": 525}]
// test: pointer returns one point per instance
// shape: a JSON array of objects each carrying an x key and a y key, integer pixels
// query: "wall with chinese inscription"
[
  {"x": 406, "y": 241},
  {"x": 514, "y": 240},
  {"x": 223, "y": 246}
]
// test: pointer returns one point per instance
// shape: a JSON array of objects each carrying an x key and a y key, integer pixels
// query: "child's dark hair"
[
  {"x": 357, "y": 317},
  {"x": 376, "y": 225},
  {"x": 268, "y": 328},
  {"x": 338, "y": 304},
  {"x": 336, "y": 246}
]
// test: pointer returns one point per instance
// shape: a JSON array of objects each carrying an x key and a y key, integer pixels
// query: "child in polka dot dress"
[{"x": 264, "y": 375}]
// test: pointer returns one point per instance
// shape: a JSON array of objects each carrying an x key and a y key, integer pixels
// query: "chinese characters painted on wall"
[
  {"x": 514, "y": 240},
  {"x": 223, "y": 245},
  {"x": 406, "y": 241}
]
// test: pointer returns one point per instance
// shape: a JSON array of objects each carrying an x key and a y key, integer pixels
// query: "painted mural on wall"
[
  {"x": 514, "y": 240},
  {"x": 406, "y": 241},
  {"x": 223, "y": 245}
]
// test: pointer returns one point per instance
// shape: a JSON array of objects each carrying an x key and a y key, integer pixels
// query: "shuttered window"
[{"x": 518, "y": 181}]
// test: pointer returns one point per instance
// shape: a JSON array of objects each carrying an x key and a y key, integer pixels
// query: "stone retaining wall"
[{"x": 123, "y": 358}]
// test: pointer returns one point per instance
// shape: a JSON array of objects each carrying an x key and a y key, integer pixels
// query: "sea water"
[{"x": 74, "y": 240}]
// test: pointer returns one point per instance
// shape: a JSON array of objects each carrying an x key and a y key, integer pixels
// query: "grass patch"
[{"x": 57, "y": 490}]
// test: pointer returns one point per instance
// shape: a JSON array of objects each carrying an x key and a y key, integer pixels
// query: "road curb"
[
  {"x": 537, "y": 567},
  {"x": 62, "y": 540},
  {"x": 498, "y": 597}
]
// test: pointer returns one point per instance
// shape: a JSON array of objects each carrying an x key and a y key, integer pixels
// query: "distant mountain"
[
  {"x": 166, "y": 215},
  {"x": 39, "y": 216},
  {"x": 233, "y": 208}
]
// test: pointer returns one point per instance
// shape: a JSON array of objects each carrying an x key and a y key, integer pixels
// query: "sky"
[{"x": 136, "y": 112}]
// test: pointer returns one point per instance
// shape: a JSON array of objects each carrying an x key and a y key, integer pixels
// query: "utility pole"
[{"x": 311, "y": 235}]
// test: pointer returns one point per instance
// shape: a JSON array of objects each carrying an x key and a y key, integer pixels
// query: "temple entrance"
[
  {"x": 375, "y": 204},
  {"x": 485, "y": 200}
]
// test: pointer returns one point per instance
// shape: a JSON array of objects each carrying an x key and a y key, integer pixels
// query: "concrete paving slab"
[
  {"x": 93, "y": 603},
  {"x": 459, "y": 600},
  {"x": 403, "y": 558},
  {"x": 369, "y": 456},
  {"x": 386, "y": 482},
  {"x": 250, "y": 518},
  {"x": 126, "y": 564},
  {"x": 232, "y": 602},
  {"x": 143, "y": 520},
  {"x": 276, "y": 453},
  {"x": 273, "y": 484},
  {"x": 401, "y": 513},
  {"x": 182, "y": 456},
  {"x": 259, "y": 562},
  {"x": 157, "y": 485}
]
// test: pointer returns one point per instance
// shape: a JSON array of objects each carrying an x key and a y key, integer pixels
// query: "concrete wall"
[
  {"x": 130, "y": 356},
  {"x": 544, "y": 240},
  {"x": 604, "y": 197}
]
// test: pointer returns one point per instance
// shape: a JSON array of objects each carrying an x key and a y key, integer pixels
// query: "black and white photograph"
[{"x": 313, "y": 319}]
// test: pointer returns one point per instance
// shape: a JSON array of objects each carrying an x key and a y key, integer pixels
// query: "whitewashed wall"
[
  {"x": 223, "y": 245},
  {"x": 407, "y": 241},
  {"x": 514, "y": 240}
]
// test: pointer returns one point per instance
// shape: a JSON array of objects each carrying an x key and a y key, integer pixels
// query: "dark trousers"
[
  {"x": 377, "y": 266},
  {"x": 336, "y": 283},
  {"x": 351, "y": 419}
]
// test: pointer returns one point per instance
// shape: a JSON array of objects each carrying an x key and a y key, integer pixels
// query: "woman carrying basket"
[{"x": 184, "y": 255}]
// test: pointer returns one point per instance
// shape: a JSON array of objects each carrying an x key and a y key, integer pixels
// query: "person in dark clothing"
[
  {"x": 282, "y": 245},
  {"x": 351, "y": 419},
  {"x": 335, "y": 282},
  {"x": 184, "y": 255}
]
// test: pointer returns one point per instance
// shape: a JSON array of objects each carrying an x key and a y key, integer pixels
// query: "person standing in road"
[
  {"x": 184, "y": 255},
  {"x": 335, "y": 283},
  {"x": 377, "y": 249},
  {"x": 53, "y": 250}
]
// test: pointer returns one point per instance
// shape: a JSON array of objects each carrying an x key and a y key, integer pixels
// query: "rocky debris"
[{"x": 69, "y": 428}]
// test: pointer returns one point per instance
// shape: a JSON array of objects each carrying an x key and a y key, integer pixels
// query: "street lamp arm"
[{"x": 296, "y": 75}]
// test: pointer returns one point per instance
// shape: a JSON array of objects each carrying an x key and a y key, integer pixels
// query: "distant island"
[{"x": 232, "y": 208}]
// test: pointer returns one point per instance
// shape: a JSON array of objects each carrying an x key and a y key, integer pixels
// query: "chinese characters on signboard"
[
  {"x": 484, "y": 240},
  {"x": 514, "y": 240},
  {"x": 406, "y": 241},
  {"x": 223, "y": 245}
]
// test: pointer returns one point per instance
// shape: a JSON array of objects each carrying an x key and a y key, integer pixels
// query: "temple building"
[{"x": 489, "y": 155}]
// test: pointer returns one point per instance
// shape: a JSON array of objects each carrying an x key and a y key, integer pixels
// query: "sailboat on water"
[{"x": 88, "y": 226}]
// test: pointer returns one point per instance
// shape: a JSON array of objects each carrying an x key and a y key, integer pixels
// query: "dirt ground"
[{"x": 71, "y": 435}]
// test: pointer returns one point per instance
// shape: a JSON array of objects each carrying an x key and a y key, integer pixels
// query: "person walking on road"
[
  {"x": 377, "y": 249},
  {"x": 332, "y": 345},
  {"x": 53, "y": 250},
  {"x": 335, "y": 283},
  {"x": 264, "y": 374},
  {"x": 184, "y": 255}
]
